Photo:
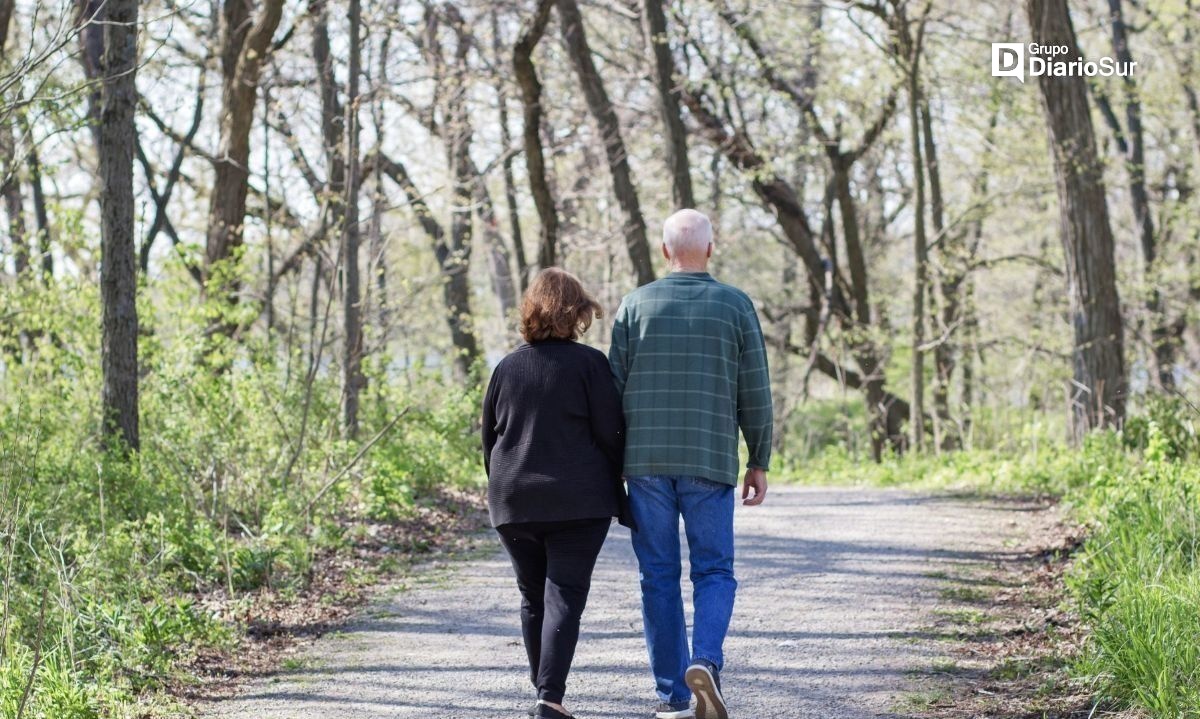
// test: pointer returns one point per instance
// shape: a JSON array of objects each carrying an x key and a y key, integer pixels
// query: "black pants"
[{"x": 553, "y": 562}]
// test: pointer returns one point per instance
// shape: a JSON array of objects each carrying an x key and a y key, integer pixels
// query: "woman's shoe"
[{"x": 549, "y": 712}]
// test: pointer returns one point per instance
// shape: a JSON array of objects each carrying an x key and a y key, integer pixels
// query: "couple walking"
[{"x": 562, "y": 424}]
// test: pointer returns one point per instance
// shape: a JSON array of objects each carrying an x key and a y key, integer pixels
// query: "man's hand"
[{"x": 756, "y": 479}]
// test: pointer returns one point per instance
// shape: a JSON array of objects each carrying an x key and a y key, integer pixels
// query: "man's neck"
[{"x": 689, "y": 268}]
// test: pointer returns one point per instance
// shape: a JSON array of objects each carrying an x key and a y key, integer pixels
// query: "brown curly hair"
[{"x": 556, "y": 306}]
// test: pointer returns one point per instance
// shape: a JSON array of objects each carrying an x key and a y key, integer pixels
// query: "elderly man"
[{"x": 688, "y": 357}]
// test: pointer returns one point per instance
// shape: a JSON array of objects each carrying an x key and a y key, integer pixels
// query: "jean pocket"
[{"x": 704, "y": 483}]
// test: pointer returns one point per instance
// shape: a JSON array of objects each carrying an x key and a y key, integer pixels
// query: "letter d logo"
[{"x": 1008, "y": 60}]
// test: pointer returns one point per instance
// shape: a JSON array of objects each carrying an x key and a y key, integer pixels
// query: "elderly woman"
[{"x": 553, "y": 443}]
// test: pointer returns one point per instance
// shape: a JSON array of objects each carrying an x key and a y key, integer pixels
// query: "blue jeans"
[{"x": 707, "y": 510}]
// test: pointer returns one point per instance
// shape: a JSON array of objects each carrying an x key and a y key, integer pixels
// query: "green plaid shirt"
[{"x": 689, "y": 360}]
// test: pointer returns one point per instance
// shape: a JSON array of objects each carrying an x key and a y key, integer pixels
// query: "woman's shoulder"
[
  {"x": 584, "y": 354},
  {"x": 509, "y": 360},
  {"x": 590, "y": 354}
]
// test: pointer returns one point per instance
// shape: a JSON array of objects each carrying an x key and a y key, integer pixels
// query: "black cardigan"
[{"x": 553, "y": 435}]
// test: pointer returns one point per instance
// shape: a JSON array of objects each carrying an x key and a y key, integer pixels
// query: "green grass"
[
  {"x": 964, "y": 594},
  {"x": 922, "y": 700},
  {"x": 962, "y": 617}
]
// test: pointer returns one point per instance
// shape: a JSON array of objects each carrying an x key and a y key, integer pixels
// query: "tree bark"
[
  {"x": 654, "y": 22},
  {"x": 535, "y": 160},
  {"x": 498, "y": 259},
  {"x": 40, "y": 214},
  {"x": 947, "y": 292},
  {"x": 458, "y": 150},
  {"x": 920, "y": 248},
  {"x": 1098, "y": 397},
  {"x": 470, "y": 183},
  {"x": 245, "y": 44},
  {"x": 352, "y": 351},
  {"x": 14, "y": 202},
  {"x": 605, "y": 116},
  {"x": 510, "y": 185},
  {"x": 1130, "y": 140},
  {"x": 10, "y": 181},
  {"x": 920, "y": 282},
  {"x": 91, "y": 51},
  {"x": 118, "y": 269},
  {"x": 377, "y": 241}
]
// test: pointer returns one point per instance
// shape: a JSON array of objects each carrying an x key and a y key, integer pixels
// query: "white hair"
[{"x": 687, "y": 232}]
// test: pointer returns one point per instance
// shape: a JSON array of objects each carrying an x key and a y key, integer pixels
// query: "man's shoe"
[
  {"x": 679, "y": 710},
  {"x": 704, "y": 680}
]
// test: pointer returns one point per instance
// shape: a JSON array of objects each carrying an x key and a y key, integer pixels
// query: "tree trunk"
[
  {"x": 353, "y": 380},
  {"x": 14, "y": 203},
  {"x": 376, "y": 241},
  {"x": 654, "y": 22},
  {"x": 245, "y": 44},
  {"x": 920, "y": 247},
  {"x": 1131, "y": 142},
  {"x": 6, "y": 12},
  {"x": 1098, "y": 396},
  {"x": 535, "y": 161},
  {"x": 40, "y": 214},
  {"x": 10, "y": 183},
  {"x": 610, "y": 130},
  {"x": 91, "y": 51},
  {"x": 947, "y": 293},
  {"x": 498, "y": 259},
  {"x": 118, "y": 269},
  {"x": 471, "y": 184},
  {"x": 971, "y": 356},
  {"x": 510, "y": 185}
]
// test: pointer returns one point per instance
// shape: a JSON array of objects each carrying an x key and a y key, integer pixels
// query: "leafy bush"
[
  {"x": 224, "y": 496},
  {"x": 1174, "y": 424}
]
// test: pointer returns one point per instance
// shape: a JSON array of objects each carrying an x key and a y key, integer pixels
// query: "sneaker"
[
  {"x": 679, "y": 710},
  {"x": 704, "y": 680}
]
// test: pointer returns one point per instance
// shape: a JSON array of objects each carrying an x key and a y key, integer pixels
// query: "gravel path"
[{"x": 837, "y": 593}]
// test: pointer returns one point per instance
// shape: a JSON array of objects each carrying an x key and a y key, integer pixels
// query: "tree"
[
  {"x": 510, "y": 184},
  {"x": 118, "y": 268},
  {"x": 457, "y": 131},
  {"x": 352, "y": 354},
  {"x": 605, "y": 116},
  {"x": 535, "y": 162},
  {"x": 245, "y": 45},
  {"x": 10, "y": 178},
  {"x": 849, "y": 294},
  {"x": 654, "y": 23},
  {"x": 1098, "y": 399},
  {"x": 1131, "y": 143},
  {"x": 911, "y": 47},
  {"x": 453, "y": 263}
]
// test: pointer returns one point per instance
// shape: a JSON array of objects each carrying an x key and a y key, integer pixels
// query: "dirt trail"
[{"x": 838, "y": 589}]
